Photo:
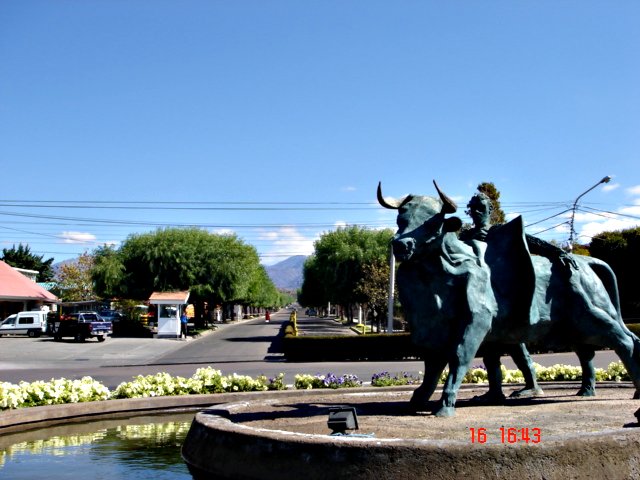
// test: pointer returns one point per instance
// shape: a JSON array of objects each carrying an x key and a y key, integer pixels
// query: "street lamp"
[{"x": 575, "y": 205}]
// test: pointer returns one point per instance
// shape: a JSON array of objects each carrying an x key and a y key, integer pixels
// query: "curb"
[{"x": 30, "y": 418}]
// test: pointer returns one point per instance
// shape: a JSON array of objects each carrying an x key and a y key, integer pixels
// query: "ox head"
[{"x": 421, "y": 221}]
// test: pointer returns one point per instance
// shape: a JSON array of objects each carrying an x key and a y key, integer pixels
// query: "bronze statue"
[
  {"x": 456, "y": 300},
  {"x": 479, "y": 209}
]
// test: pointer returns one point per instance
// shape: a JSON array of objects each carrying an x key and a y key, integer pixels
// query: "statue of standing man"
[{"x": 479, "y": 209}]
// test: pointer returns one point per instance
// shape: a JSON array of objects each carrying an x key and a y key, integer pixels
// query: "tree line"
[
  {"x": 621, "y": 250},
  {"x": 216, "y": 269},
  {"x": 349, "y": 269}
]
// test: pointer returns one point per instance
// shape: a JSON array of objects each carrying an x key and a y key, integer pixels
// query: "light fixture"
[
  {"x": 572, "y": 231},
  {"x": 342, "y": 419}
]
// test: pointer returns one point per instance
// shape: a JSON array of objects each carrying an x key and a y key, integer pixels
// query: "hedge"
[{"x": 397, "y": 346}]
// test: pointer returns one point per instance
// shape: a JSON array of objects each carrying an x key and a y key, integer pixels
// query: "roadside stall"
[{"x": 169, "y": 306}]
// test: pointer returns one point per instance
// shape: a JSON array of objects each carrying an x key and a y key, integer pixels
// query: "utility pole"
[
  {"x": 572, "y": 231},
  {"x": 392, "y": 282}
]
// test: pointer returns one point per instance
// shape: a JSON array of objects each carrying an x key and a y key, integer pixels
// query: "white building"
[{"x": 170, "y": 307}]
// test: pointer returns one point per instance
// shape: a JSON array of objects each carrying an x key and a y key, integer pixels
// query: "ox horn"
[
  {"x": 449, "y": 206},
  {"x": 392, "y": 204}
]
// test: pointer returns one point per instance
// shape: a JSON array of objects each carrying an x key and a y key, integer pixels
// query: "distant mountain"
[
  {"x": 287, "y": 274},
  {"x": 57, "y": 266}
]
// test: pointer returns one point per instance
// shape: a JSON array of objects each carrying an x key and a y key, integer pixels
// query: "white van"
[{"x": 33, "y": 324}]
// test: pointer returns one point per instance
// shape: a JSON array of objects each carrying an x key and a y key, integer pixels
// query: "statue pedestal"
[{"x": 285, "y": 435}]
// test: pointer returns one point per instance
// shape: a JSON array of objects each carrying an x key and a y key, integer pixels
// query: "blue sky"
[{"x": 277, "y": 119}]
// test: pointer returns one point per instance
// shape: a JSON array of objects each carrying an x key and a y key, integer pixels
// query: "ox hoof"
[
  {"x": 527, "y": 393},
  {"x": 489, "y": 398},
  {"x": 586, "y": 392},
  {"x": 414, "y": 408},
  {"x": 419, "y": 401},
  {"x": 417, "y": 405},
  {"x": 446, "y": 412}
]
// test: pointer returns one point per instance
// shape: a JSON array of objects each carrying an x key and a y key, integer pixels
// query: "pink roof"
[
  {"x": 15, "y": 286},
  {"x": 161, "y": 297}
]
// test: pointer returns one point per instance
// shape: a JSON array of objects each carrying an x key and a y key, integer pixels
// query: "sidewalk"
[{"x": 322, "y": 326}]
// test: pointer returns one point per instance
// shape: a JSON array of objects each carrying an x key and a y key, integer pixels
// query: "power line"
[
  {"x": 112, "y": 204},
  {"x": 592, "y": 210},
  {"x": 551, "y": 228},
  {"x": 548, "y": 218},
  {"x": 41, "y": 225},
  {"x": 189, "y": 202},
  {"x": 138, "y": 222},
  {"x": 92, "y": 223}
]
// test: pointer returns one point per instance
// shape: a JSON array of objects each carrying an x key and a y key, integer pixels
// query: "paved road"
[{"x": 245, "y": 348}]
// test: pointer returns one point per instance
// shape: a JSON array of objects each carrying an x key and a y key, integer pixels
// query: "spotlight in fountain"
[{"x": 342, "y": 419}]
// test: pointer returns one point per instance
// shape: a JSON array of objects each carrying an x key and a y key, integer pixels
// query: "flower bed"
[
  {"x": 308, "y": 382},
  {"x": 209, "y": 380}
]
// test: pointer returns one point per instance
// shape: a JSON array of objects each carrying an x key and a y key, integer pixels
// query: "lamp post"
[{"x": 575, "y": 205}]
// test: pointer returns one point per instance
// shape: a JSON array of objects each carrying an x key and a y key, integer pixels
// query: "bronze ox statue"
[{"x": 458, "y": 297}]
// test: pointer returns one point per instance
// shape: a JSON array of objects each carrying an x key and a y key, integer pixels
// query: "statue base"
[{"x": 285, "y": 435}]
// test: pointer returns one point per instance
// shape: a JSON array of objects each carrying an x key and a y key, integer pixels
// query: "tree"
[
  {"x": 216, "y": 269},
  {"x": 75, "y": 281},
  {"x": 372, "y": 290},
  {"x": 108, "y": 271},
  {"x": 497, "y": 214},
  {"x": 262, "y": 292},
  {"x": 313, "y": 292},
  {"x": 22, "y": 257},
  {"x": 621, "y": 250},
  {"x": 337, "y": 265}
]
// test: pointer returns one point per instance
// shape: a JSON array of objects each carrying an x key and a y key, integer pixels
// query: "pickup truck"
[{"x": 80, "y": 326}]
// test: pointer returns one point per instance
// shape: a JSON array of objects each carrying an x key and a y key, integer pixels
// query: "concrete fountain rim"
[{"x": 216, "y": 445}]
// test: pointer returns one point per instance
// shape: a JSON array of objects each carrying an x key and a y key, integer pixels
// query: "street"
[{"x": 243, "y": 347}]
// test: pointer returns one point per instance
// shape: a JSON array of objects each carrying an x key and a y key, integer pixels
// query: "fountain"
[
  {"x": 286, "y": 436},
  {"x": 142, "y": 447}
]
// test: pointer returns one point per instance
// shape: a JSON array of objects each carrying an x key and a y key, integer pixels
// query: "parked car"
[
  {"x": 81, "y": 325},
  {"x": 111, "y": 315},
  {"x": 32, "y": 323}
]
